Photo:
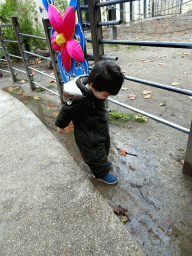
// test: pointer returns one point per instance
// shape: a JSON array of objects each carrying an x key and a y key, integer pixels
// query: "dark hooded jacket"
[{"x": 90, "y": 129}]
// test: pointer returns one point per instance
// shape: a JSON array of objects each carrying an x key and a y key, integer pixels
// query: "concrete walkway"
[{"x": 48, "y": 206}]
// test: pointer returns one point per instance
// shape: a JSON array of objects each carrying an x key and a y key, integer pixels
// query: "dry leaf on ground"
[
  {"x": 145, "y": 92},
  {"x": 174, "y": 84},
  {"x": 124, "y": 89},
  {"x": 36, "y": 98},
  {"x": 22, "y": 81},
  {"x": 69, "y": 128},
  {"x": 162, "y": 104},
  {"x": 55, "y": 114},
  {"x": 148, "y": 96},
  {"x": 132, "y": 96}
]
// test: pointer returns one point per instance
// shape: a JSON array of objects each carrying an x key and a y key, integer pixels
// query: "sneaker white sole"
[{"x": 110, "y": 183}]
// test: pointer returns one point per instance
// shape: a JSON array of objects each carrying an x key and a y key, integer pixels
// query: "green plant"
[
  {"x": 135, "y": 47},
  {"x": 28, "y": 23},
  {"x": 49, "y": 86},
  {"x": 39, "y": 89},
  {"x": 119, "y": 116}
]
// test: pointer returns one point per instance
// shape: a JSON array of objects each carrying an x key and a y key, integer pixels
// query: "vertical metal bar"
[
  {"x": 187, "y": 168},
  {"x": 1, "y": 73},
  {"x": 181, "y": 2},
  {"x": 9, "y": 61},
  {"x": 121, "y": 12},
  {"x": 144, "y": 8},
  {"x": 131, "y": 11},
  {"x": 96, "y": 32},
  {"x": 22, "y": 49},
  {"x": 53, "y": 55},
  {"x": 153, "y": 5}
]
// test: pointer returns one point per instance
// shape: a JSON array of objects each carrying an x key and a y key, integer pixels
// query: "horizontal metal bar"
[
  {"x": 19, "y": 70},
  {"x": 19, "y": 57},
  {"x": 178, "y": 127},
  {"x": 9, "y": 41},
  {"x": 36, "y": 55},
  {"x": 6, "y": 25},
  {"x": 45, "y": 88},
  {"x": 145, "y": 43},
  {"x": 39, "y": 37},
  {"x": 3, "y": 60},
  {"x": 5, "y": 70},
  {"x": 113, "y": 2},
  {"x": 84, "y": 7},
  {"x": 104, "y": 57},
  {"x": 108, "y": 23},
  {"x": 162, "y": 86},
  {"x": 36, "y": 70}
]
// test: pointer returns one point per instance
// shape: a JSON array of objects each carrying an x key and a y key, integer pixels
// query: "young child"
[{"x": 88, "y": 113}]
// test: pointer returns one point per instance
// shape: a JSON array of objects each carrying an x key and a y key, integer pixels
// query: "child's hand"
[{"x": 61, "y": 131}]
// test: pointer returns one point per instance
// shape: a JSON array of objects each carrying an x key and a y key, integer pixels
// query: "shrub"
[{"x": 28, "y": 23}]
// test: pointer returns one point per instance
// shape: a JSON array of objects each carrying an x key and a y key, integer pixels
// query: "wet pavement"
[{"x": 159, "y": 207}]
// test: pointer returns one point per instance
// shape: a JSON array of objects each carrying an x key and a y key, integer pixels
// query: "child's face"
[{"x": 100, "y": 95}]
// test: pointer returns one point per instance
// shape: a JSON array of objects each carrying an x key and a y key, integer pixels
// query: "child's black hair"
[{"x": 106, "y": 76}]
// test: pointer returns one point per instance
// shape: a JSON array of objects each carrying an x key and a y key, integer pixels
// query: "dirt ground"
[{"x": 160, "y": 212}]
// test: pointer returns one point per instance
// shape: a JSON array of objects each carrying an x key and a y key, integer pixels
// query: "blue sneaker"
[
  {"x": 109, "y": 179},
  {"x": 109, "y": 163}
]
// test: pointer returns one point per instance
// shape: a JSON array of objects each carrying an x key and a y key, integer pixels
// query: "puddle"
[{"x": 158, "y": 222}]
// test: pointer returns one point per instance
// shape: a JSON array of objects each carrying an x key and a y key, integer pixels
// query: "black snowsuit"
[{"x": 90, "y": 128}]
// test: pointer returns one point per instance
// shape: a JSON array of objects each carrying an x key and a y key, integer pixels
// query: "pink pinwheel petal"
[
  {"x": 53, "y": 42},
  {"x": 69, "y": 22},
  {"x": 66, "y": 59},
  {"x": 74, "y": 50},
  {"x": 55, "y": 18}
]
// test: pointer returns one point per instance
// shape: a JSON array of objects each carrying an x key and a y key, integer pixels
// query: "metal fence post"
[
  {"x": 187, "y": 168},
  {"x": 96, "y": 31},
  {"x": 46, "y": 25},
  {"x": 1, "y": 73},
  {"x": 22, "y": 49},
  {"x": 8, "y": 59}
]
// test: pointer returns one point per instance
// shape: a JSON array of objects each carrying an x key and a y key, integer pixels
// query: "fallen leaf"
[
  {"x": 142, "y": 59},
  {"x": 28, "y": 96},
  {"x": 162, "y": 64},
  {"x": 55, "y": 114},
  {"x": 20, "y": 92},
  {"x": 69, "y": 128},
  {"x": 33, "y": 73},
  {"x": 25, "y": 102},
  {"x": 159, "y": 57},
  {"x": 50, "y": 105},
  {"x": 186, "y": 53},
  {"x": 123, "y": 71},
  {"x": 124, "y": 89},
  {"x": 182, "y": 161},
  {"x": 52, "y": 74},
  {"x": 10, "y": 89},
  {"x": 36, "y": 98},
  {"x": 124, "y": 219},
  {"x": 145, "y": 92},
  {"x": 148, "y": 96},
  {"x": 123, "y": 151},
  {"x": 185, "y": 73},
  {"x": 22, "y": 81},
  {"x": 162, "y": 104},
  {"x": 52, "y": 81},
  {"x": 129, "y": 64},
  {"x": 190, "y": 97},
  {"x": 132, "y": 96},
  {"x": 182, "y": 56},
  {"x": 39, "y": 61},
  {"x": 174, "y": 84}
]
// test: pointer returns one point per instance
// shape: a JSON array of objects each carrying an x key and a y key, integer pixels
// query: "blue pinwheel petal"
[
  {"x": 52, "y": 31},
  {"x": 81, "y": 69},
  {"x": 46, "y": 4},
  {"x": 74, "y": 3},
  {"x": 79, "y": 32}
]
